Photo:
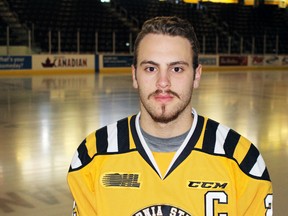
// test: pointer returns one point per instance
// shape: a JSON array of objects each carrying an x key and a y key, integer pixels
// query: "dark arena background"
[{"x": 65, "y": 71}]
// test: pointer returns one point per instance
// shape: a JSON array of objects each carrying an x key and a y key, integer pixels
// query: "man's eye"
[
  {"x": 150, "y": 69},
  {"x": 177, "y": 69}
]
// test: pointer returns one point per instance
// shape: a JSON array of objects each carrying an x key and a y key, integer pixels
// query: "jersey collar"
[{"x": 180, "y": 155}]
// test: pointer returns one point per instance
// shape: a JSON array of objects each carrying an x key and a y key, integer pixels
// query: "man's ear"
[
  {"x": 197, "y": 78},
  {"x": 134, "y": 77}
]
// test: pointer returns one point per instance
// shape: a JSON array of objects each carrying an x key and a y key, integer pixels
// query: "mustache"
[{"x": 158, "y": 91}]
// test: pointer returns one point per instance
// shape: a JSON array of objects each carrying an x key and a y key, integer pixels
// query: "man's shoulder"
[
  {"x": 110, "y": 139},
  {"x": 220, "y": 140}
]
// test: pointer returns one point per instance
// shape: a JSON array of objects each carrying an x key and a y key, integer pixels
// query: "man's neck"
[{"x": 157, "y": 144}]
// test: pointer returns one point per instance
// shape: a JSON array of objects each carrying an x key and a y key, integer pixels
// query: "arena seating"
[
  {"x": 69, "y": 17},
  {"x": 248, "y": 22},
  {"x": 213, "y": 23},
  {"x": 2, "y": 32}
]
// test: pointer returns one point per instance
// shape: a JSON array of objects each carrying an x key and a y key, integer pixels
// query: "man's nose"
[{"x": 163, "y": 80}]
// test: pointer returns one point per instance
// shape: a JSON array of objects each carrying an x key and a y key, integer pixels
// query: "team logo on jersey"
[
  {"x": 207, "y": 185},
  {"x": 161, "y": 210},
  {"x": 121, "y": 180}
]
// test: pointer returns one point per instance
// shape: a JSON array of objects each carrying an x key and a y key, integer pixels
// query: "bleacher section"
[
  {"x": 69, "y": 17},
  {"x": 143, "y": 10},
  {"x": 3, "y": 27},
  {"x": 249, "y": 21},
  {"x": 215, "y": 24}
]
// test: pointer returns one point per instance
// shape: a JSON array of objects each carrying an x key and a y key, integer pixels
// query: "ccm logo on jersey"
[
  {"x": 121, "y": 180},
  {"x": 205, "y": 185}
]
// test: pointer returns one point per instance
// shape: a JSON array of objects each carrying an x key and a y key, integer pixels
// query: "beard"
[{"x": 165, "y": 115}]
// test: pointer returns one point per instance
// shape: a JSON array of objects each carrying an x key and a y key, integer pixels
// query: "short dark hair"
[{"x": 172, "y": 26}]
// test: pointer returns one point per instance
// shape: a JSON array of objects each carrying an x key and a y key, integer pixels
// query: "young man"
[{"x": 168, "y": 160}]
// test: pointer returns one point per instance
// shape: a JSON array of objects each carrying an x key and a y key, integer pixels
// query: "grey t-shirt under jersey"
[{"x": 157, "y": 144}]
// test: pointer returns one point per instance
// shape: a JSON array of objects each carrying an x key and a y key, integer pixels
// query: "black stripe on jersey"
[
  {"x": 266, "y": 175},
  {"x": 83, "y": 155},
  {"x": 190, "y": 145},
  {"x": 250, "y": 160},
  {"x": 123, "y": 135},
  {"x": 101, "y": 140},
  {"x": 138, "y": 144},
  {"x": 231, "y": 142},
  {"x": 209, "y": 140}
]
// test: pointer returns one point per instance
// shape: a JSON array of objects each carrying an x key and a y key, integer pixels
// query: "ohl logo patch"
[
  {"x": 161, "y": 210},
  {"x": 121, "y": 180}
]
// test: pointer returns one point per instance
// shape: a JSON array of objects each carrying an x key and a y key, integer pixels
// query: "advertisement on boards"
[
  {"x": 284, "y": 60},
  {"x": 208, "y": 60},
  {"x": 63, "y": 62},
  {"x": 110, "y": 61},
  {"x": 233, "y": 60},
  {"x": 272, "y": 60},
  {"x": 15, "y": 62}
]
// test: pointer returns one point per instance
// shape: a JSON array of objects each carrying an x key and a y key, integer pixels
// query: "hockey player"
[{"x": 167, "y": 159}]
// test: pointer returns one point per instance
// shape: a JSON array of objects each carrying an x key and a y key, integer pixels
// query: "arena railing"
[{"x": 115, "y": 42}]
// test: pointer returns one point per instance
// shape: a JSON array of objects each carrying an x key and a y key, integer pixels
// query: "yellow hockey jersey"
[{"x": 215, "y": 172}]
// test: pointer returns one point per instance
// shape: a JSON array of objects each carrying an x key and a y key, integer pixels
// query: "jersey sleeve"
[
  {"x": 254, "y": 187},
  {"x": 80, "y": 179},
  {"x": 83, "y": 170},
  {"x": 254, "y": 197},
  {"x": 249, "y": 174}
]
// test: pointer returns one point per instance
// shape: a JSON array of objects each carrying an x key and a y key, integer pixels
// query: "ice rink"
[{"x": 43, "y": 118}]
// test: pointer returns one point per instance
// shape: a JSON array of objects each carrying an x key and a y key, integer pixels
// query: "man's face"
[{"x": 164, "y": 77}]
